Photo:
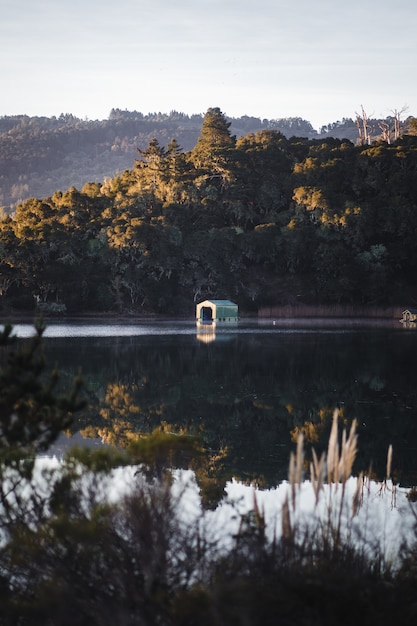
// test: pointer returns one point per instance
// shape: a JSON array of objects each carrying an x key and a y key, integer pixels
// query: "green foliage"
[
  {"x": 412, "y": 126},
  {"x": 161, "y": 449},
  {"x": 102, "y": 460},
  {"x": 40, "y": 154},
  {"x": 262, "y": 219},
  {"x": 31, "y": 414},
  {"x": 214, "y": 143}
]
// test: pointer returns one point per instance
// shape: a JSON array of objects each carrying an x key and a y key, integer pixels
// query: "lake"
[{"x": 247, "y": 390}]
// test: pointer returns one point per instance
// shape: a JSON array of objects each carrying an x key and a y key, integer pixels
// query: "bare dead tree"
[
  {"x": 385, "y": 130},
  {"x": 397, "y": 121},
  {"x": 363, "y": 126}
]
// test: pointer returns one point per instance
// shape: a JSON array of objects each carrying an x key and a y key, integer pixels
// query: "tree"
[
  {"x": 263, "y": 169},
  {"x": 363, "y": 126},
  {"x": 385, "y": 130},
  {"x": 397, "y": 122},
  {"x": 31, "y": 414},
  {"x": 177, "y": 169},
  {"x": 412, "y": 126},
  {"x": 152, "y": 168},
  {"x": 173, "y": 156},
  {"x": 214, "y": 145},
  {"x": 313, "y": 200}
]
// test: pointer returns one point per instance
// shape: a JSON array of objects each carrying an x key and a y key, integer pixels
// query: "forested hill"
[
  {"x": 261, "y": 219},
  {"x": 39, "y": 155}
]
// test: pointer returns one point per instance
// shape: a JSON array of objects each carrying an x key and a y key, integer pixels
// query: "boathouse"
[
  {"x": 409, "y": 315},
  {"x": 217, "y": 311}
]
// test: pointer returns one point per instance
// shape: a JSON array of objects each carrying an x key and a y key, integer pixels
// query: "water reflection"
[
  {"x": 206, "y": 332},
  {"x": 68, "y": 329},
  {"x": 102, "y": 330},
  {"x": 249, "y": 392}
]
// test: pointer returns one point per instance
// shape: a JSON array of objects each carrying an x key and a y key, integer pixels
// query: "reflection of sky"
[
  {"x": 219, "y": 331},
  {"x": 383, "y": 521},
  {"x": 317, "y": 60}
]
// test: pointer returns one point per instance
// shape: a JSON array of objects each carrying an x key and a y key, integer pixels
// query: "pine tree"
[{"x": 215, "y": 143}]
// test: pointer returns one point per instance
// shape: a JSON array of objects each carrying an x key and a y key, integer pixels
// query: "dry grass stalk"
[
  {"x": 384, "y": 484},
  {"x": 340, "y": 459},
  {"x": 348, "y": 453},
  {"x": 339, "y": 465},
  {"x": 340, "y": 468},
  {"x": 291, "y": 475},
  {"x": 317, "y": 468},
  {"x": 333, "y": 451},
  {"x": 259, "y": 513},
  {"x": 300, "y": 459},
  {"x": 295, "y": 472},
  {"x": 389, "y": 462},
  {"x": 287, "y": 531}
]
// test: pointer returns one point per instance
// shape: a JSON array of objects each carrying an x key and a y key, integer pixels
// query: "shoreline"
[
  {"x": 332, "y": 311},
  {"x": 278, "y": 312}
]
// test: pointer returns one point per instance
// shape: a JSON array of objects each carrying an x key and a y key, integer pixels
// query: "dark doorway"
[{"x": 207, "y": 314}]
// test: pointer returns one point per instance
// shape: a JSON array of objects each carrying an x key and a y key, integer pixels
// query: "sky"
[{"x": 321, "y": 60}]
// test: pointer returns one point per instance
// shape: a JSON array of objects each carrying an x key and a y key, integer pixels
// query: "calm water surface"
[{"x": 247, "y": 389}]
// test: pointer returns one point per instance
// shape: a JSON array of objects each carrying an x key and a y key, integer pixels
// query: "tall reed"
[{"x": 329, "y": 475}]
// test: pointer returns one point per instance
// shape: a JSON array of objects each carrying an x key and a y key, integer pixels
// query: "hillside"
[
  {"x": 262, "y": 219},
  {"x": 39, "y": 155}
]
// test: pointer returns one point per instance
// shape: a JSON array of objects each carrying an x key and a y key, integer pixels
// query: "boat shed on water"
[
  {"x": 217, "y": 311},
  {"x": 409, "y": 315}
]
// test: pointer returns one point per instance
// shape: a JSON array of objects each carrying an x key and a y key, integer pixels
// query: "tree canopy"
[{"x": 264, "y": 220}]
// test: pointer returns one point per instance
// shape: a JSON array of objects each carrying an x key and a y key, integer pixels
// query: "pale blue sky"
[{"x": 319, "y": 60}]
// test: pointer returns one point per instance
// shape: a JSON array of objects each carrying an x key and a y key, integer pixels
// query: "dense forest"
[
  {"x": 39, "y": 155},
  {"x": 262, "y": 219}
]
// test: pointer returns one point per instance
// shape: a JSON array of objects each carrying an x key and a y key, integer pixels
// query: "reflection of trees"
[
  {"x": 247, "y": 398},
  {"x": 120, "y": 409},
  {"x": 381, "y": 424}
]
